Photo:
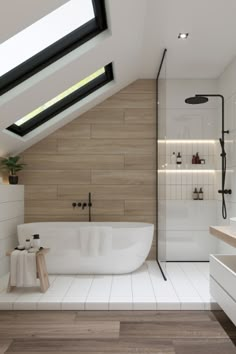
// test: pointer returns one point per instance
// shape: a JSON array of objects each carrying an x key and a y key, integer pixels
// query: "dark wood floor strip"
[
  {"x": 93, "y": 346},
  {"x": 116, "y": 332},
  {"x": 89, "y": 329},
  {"x": 168, "y": 329},
  {"x": 204, "y": 347},
  {"x": 4, "y": 345}
]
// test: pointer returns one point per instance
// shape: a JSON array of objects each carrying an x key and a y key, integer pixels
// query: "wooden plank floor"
[{"x": 166, "y": 332}]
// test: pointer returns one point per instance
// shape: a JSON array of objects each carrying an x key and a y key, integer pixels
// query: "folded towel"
[
  {"x": 13, "y": 266},
  {"x": 23, "y": 269},
  {"x": 30, "y": 272},
  {"x": 95, "y": 240}
]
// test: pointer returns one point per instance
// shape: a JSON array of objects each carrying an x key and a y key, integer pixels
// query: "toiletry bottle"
[
  {"x": 173, "y": 159},
  {"x": 36, "y": 241},
  {"x": 193, "y": 159},
  {"x": 179, "y": 159},
  {"x": 197, "y": 158},
  {"x": 200, "y": 194},
  {"x": 195, "y": 194},
  {"x": 27, "y": 244}
]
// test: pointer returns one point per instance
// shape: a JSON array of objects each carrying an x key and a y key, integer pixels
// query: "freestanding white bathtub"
[{"x": 131, "y": 243}]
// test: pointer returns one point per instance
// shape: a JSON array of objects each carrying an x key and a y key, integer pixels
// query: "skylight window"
[
  {"x": 48, "y": 39},
  {"x": 62, "y": 101},
  {"x": 59, "y": 97}
]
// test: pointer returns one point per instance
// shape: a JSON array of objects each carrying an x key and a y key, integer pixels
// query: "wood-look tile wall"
[{"x": 109, "y": 151}]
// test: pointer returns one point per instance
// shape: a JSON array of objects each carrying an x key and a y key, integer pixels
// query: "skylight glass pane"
[
  {"x": 60, "y": 97},
  {"x": 44, "y": 32}
]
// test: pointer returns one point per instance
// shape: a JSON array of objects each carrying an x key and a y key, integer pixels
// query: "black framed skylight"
[
  {"x": 49, "y": 39},
  {"x": 62, "y": 101}
]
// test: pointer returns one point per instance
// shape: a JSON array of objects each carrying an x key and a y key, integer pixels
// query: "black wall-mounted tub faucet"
[{"x": 84, "y": 205}]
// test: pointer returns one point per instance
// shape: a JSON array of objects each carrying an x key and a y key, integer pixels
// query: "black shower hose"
[{"x": 224, "y": 210}]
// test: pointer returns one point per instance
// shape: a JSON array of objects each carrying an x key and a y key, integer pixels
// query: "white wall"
[
  {"x": 188, "y": 221},
  {"x": 227, "y": 87},
  {"x": 11, "y": 215}
]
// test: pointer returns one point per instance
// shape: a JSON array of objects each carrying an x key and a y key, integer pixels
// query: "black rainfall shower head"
[{"x": 196, "y": 100}]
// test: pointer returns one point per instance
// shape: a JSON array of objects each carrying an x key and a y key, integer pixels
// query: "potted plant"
[{"x": 12, "y": 165}]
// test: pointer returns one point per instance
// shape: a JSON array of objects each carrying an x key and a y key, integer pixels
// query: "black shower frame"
[{"x": 157, "y": 97}]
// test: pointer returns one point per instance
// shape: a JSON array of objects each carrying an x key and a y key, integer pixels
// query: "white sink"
[{"x": 232, "y": 224}]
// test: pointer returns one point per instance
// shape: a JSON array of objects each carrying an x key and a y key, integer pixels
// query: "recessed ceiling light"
[{"x": 183, "y": 35}]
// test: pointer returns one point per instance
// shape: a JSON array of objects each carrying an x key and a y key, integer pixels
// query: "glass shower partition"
[{"x": 161, "y": 164}]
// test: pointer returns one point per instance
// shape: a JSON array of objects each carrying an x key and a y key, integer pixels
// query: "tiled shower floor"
[{"x": 187, "y": 288}]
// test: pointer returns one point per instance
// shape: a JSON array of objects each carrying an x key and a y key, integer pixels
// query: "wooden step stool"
[{"x": 41, "y": 269}]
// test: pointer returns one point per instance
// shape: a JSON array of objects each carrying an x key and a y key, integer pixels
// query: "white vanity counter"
[
  {"x": 224, "y": 233},
  {"x": 223, "y": 273}
]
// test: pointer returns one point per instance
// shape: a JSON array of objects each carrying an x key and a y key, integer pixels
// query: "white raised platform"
[{"x": 187, "y": 288}]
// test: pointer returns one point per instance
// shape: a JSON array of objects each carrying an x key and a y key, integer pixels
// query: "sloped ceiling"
[
  {"x": 138, "y": 32},
  {"x": 16, "y": 15}
]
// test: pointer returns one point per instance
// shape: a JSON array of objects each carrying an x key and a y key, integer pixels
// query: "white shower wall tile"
[
  {"x": 191, "y": 124},
  {"x": 189, "y": 245},
  {"x": 190, "y": 215}
]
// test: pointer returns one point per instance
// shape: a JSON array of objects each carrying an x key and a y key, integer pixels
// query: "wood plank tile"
[
  {"x": 131, "y": 100},
  {"x": 124, "y": 131},
  {"x": 50, "y": 218},
  {"x": 140, "y": 116},
  {"x": 149, "y": 316},
  {"x": 89, "y": 329},
  {"x": 129, "y": 218},
  {"x": 140, "y": 207},
  {"x": 103, "y": 192},
  {"x": 106, "y": 146},
  {"x": 123, "y": 177},
  {"x": 64, "y": 208},
  {"x": 141, "y": 162},
  {"x": 45, "y": 146},
  {"x": 99, "y": 115},
  {"x": 73, "y": 162},
  {"x": 4, "y": 345},
  {"x": 227, "y": 324},
  {"x": 52, "y": 177},
  {"x": 208, "y": 346},
  {"x": 167, "y": 330},
  {"x": 141, "y": 86},
  {"x": 73, "y": 130},
  {"x": 100, "y": 346},
  {"x": 40, "y": 192},
  {"x": 29, "y": 316}
]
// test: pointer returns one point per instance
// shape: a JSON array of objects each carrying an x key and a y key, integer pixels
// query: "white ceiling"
[
  {"x": 138, "y": 32},
  {"x": 211, "y": 44}
]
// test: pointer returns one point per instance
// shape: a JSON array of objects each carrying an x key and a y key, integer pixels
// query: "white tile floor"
[{"x": 187, "y": 288}]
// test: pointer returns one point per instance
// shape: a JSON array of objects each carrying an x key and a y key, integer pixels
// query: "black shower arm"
[{"x": 223, "y": 131}]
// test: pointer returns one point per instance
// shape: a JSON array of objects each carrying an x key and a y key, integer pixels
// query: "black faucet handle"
[
  {"x": 79, "y": 205},
  {"x": 84, "y": 205},
  {"x": 73, "y": 204}
]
